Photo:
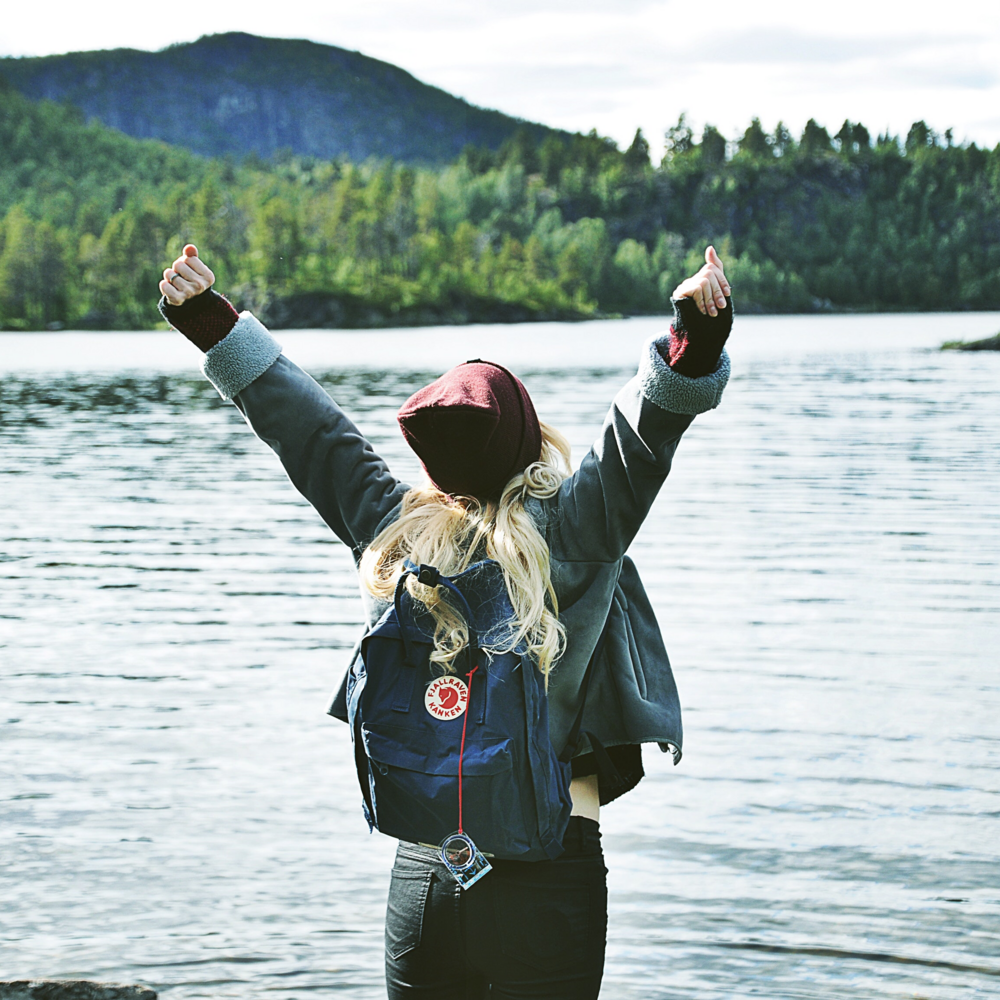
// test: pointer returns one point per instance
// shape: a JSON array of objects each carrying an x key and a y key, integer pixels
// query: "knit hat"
[{"x": 473, "y": 429}]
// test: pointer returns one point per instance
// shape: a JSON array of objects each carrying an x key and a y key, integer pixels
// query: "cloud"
[
  {"x": 913, "y": 60},
  {"x": 952, "y": 77},
  {"x": 776, "y": 46}
]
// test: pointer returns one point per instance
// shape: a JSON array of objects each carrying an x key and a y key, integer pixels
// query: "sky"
[{"x": 614, "y": 65}]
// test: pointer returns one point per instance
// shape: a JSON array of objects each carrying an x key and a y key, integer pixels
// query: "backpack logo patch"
[{"x": 446, "y": 697}]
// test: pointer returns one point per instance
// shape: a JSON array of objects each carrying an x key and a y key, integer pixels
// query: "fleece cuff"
[
  {"x": 243, "y": 356},
  {"x": 674, "y": 392}
]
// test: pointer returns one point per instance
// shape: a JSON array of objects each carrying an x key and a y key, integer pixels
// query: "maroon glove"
[
  {"x": 697, "y": 339},
  {"x": 204, "y": 320}
]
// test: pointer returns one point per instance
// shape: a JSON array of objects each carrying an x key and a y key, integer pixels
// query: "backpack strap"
[
  {"x": 430, "y": 577},
  {"x": 403, "y": 691},
  {"x": 408, "y": 658}
]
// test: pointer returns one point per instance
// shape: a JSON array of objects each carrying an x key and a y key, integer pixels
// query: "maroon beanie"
[{"x": 472, "y": 429}]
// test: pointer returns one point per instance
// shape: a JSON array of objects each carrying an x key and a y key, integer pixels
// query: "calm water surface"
[{"x": 176, "y": 809}]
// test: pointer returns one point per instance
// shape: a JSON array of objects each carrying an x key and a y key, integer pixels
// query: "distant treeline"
[{"x": 565, "y": 229}]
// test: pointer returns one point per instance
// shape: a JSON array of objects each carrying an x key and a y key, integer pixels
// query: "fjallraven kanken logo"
[
  {"x": 469, "y": 750},
  {"x": 446, "y": 697}
]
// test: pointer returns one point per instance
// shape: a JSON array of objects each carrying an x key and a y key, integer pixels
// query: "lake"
[{"x": 177, "y": 809}]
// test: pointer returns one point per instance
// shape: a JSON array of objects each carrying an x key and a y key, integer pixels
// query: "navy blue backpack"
[{"x": 468, "y": 751}]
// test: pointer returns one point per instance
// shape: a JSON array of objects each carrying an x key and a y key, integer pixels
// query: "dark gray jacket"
[{"x": 589, "y": 524}]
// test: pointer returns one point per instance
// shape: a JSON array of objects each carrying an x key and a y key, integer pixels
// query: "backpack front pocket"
[{"x": 416, "y": 789}]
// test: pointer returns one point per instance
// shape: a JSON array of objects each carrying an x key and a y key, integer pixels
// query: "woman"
[{"x": 499, "y": 486}]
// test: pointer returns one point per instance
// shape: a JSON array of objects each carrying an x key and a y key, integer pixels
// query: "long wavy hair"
[{"x": 451, "y": 532}]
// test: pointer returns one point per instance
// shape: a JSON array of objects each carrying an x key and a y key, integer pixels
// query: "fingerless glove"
[
  {"x": 697, "y": 340},
  {"x": 204, "y": 320}
]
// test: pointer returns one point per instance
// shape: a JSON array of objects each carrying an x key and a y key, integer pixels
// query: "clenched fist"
[
  {"x": 708, "y": 287},
  {"x": 187, "y": 277}
]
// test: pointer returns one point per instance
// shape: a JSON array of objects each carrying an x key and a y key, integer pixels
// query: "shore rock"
[{"x": 71, "y": 989}]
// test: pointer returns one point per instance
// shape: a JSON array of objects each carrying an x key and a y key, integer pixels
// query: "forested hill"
[
  {"x": 238, "y": 94},
  {"x": 569, "y": 228}
]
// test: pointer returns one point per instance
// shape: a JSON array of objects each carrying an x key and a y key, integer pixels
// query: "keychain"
[{"x": 464, "y": 860}]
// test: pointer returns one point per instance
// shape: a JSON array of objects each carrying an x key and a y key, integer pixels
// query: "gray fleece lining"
[
  {"x": 246, "y": 352},
  {"x": 677, "y": 393}
]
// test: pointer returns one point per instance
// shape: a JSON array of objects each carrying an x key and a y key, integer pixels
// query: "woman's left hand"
[
  {"x": 187, "y": 277},
  {"x": 709, "y": 287}
]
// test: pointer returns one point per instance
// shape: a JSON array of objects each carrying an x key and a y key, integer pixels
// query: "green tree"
[
  {"x": 32, "y": 273},
  {"x": 678, "y": 141},
  {"x": 755, "y": 142},
  {"x": 782, "y": 141},
  {"x": 124, "y": 268},
  {"x": 919, "y": 137},
  {"x": 852, "y": 139},
  {"x": 637, "y": 155},
  {"x": 477, "y": 159},
  {"x": 520, "y": 150},
  {"x": 552, "y": 159},
  {"x": 276, "y": 242},
  {"x": 633, "y": 284},
  {"x": 669, "y": 265},
  {"x": 815, "y": 139},
  {"x": 713, "y": 146}
]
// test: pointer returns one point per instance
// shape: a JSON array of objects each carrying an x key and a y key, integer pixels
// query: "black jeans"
[{"x": 527, "y": 929}]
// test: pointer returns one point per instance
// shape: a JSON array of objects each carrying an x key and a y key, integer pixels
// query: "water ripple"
[{"x": 824, "y": 561}]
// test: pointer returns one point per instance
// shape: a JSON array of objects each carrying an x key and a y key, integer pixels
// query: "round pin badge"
[{"x": 446, "y": 697}]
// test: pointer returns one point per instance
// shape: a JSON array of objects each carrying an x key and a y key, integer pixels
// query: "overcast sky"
[{"x": 614, "y": 65}]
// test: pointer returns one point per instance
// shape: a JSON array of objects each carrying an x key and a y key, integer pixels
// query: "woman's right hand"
[
  {"x": 187, "y": 277},
  {"x": 709, "y": 287}
]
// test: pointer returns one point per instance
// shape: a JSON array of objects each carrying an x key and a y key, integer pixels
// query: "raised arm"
[
  {"x": 327, "y": 458},
  {"x": 598, "y": 511}
]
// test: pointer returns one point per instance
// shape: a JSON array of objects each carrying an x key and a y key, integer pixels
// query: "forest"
[{"x": 562, "y": 228}]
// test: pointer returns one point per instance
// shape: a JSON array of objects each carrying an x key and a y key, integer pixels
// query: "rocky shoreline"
[{"x": 72, "y": 989}]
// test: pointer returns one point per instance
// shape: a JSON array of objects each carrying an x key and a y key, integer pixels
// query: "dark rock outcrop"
[
  {"x": 71, "y": 989},
  {"x": 236, "y": 94}
]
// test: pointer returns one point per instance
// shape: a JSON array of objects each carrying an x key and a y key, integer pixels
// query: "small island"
[{"x": 989, "y": 344}]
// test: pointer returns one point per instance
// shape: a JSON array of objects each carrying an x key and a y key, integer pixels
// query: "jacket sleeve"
[
  {"x": 327, "y": 458},
  {"x": 598, "y": 510}
]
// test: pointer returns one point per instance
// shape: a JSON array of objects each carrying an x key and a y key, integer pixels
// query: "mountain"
[{"x": 236, "y": 94}]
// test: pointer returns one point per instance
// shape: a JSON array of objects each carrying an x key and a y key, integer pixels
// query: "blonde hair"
[{"x": 449, "y": 533}]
